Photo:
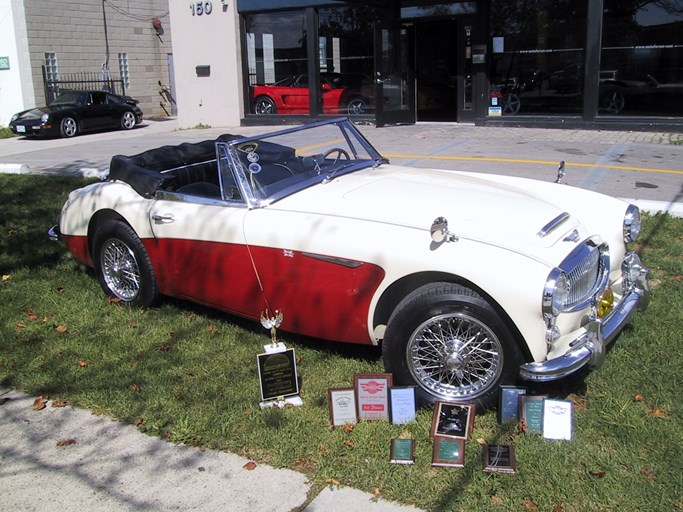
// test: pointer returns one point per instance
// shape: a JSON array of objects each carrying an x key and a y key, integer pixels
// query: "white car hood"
[{"x": 477, "y": 208}]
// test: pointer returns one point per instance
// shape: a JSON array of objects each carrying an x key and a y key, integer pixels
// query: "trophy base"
[
  {"x": 294, "y": 401},
  {"x": 273, "y": 349}
]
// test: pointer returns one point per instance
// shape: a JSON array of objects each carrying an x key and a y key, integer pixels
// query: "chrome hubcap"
[
  {"x": 455, "y": 357},
  {"x": 120, "y": 270}
]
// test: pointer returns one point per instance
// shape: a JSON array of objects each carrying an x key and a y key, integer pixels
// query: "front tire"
[
  {"x": 68, "y": 127},
  {"x": 449, "y": 342},
  {"x": 264, "y": 106},
  {"x": 123, "y": 266},
  {"x": 128, "y": 121}
]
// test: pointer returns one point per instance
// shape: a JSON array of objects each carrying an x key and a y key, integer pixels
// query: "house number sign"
[{"x": 199, "y": 8}]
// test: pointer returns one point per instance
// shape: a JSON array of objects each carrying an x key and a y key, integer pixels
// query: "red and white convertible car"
[{"x": 468, "y": 281}]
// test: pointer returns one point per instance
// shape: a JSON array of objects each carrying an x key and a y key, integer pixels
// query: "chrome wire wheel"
[
  {"x": 120, "y": 270},
  {"x": 454, "y": 357}
]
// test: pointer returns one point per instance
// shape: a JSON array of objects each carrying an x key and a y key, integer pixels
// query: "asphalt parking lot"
[{"x": 644, "y": 166}]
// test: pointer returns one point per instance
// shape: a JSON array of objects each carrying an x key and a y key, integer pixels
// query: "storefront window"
[
  {"x": 642, "y": 58},
  {"x": 537, "y": 56},
  {"x": 277, "y": 63},
  {"x": 346, "y": 60}
]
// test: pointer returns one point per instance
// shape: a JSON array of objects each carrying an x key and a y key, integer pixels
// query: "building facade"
[
  {"x": 120, "y": 44},
  {"x": 572, "y": 63}
]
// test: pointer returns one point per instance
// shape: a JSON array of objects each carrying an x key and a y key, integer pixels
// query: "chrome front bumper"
[{"x": 590, "y": 347}]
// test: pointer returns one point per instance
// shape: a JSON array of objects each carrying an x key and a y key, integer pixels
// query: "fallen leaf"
[
  {"x": 39, "y": 404},
  {"x": 6, "y": 278},
  {"x": 19, "y": 327},
  {"x": 332, "y": 481},
  {"x": 82, "y": 364},
  {"x": 481, "y": 441},
  {"x": 579, "y": 402},
  {"x": 639, "y": 398},
  {"x": 61, "y": 328},
  {"x": 645, "y": 471},
  {"x": 4, "y": 400},
  {"x": 656, "y": 413},
  {"x": 66, "y": 442},
  {"x": 31, "y": 315},
  {"x": 530, "y": 506},
  {"x": 135, "y": 388},
  {"x": 250, "y": 466},
  {"x": 349, "y": 443},
  {"x": 59, "y": 403},
  {"x": 522, "y": 427},
  {"x": 678, "y": 279},
  {"x": 599, "y": 473},
  {"x": 304, "y": 465},
  {"x": 377, "y": 492},
  {"x": 138, "y": 422},
  {"x": 496, "y": 501},
  {"x": 348, "y": 427},
  {"x": 60, "y": 289},
  {"x": 134, "y": 324},
  {"x": 558, "y": 508}
]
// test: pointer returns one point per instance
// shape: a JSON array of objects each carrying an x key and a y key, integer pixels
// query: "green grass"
[
  {"x": 5, "y": 132},
  {"x": 188, "y": 374}
]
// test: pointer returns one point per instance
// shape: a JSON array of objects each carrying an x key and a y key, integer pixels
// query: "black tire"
[
  {"x": 123, "y": 265},
  {"x": 450, "y": 343},
  {"x": 68, "y": 127},
  {"x": 127, "y": 120},
  {"x": 264, "y": 106},
  {"x": 613, "y": 102},
  {"x": 357, "y": 106},
  {"x": 511, "y": 104}
]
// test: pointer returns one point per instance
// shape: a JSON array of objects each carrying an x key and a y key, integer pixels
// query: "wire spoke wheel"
[
  {"x": 120, "y": 269},
  {"x": 454, "y": 356}
]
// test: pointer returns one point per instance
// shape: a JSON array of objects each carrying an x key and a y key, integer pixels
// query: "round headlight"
[
  {"x": 631, "y": 223},
  {"x": 44, "y": 118},
  {"x": 556, "y": 293}
]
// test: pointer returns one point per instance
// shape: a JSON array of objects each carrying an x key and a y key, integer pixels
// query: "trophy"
[{"x": 272, "y": 323}]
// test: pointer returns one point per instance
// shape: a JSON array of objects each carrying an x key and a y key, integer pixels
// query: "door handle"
[{"x": 163, "y": 219}]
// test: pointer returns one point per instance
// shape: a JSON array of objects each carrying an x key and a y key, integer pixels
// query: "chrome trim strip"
[
  {"x": 54, "y": 234},
  {"x": 552, "y": 225},
  {"x": 336, "y": 261}
]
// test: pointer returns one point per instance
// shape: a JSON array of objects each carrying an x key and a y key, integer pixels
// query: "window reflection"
[
  {"x": 642, "y": 58},
  {"x": 537, "y": 60}
]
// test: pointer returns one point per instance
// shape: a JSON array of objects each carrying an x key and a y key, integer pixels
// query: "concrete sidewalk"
[{"x": 107, "y": 466}]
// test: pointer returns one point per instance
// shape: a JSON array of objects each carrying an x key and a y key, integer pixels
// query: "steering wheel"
[{"x": 340, "y": 152}]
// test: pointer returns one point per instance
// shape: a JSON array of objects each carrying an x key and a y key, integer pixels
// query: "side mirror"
[{"x": 440, "y": 233}]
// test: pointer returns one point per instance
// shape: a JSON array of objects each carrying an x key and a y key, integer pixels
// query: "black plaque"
[
  {"x": 499, "y": 458},
  {"x": 277, "y": 374},
  {"x": 508, "y": 408}
]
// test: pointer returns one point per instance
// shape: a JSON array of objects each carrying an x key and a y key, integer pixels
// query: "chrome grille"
[{"x": 587, "y": 269}]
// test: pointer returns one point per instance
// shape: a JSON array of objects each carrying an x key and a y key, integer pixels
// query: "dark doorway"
[{"x": 436, "y": 44}]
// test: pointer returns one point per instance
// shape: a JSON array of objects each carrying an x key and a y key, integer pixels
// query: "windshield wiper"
[{"x": 330, "y": 176}]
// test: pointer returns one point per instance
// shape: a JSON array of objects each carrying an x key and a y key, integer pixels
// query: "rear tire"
[
  {"x": 264, "y": 106},
  {"x": 123, "y": 265},
  {"x": 449, "y": 342}
]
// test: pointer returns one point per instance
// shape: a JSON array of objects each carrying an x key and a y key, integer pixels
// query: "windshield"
[
  {"x": 273, "y": 166},
  {"x": 69, "y": 97}
]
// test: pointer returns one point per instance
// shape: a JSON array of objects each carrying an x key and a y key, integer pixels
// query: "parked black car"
[{"x": 78, "y": 111}]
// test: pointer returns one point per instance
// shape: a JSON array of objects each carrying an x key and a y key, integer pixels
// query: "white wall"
[
  {"x": 13, "y": 44},
  {"x": 207, "y": 40}
]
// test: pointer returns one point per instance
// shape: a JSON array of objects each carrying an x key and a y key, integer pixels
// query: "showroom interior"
[{"x": 587, "y": 63}]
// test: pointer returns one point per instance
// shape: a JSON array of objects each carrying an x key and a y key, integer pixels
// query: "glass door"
[{"x": 394, "y": 75}]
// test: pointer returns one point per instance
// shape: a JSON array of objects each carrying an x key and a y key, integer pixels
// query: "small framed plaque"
[
  {"x": 531, "y": 413},
  {"x": 402, "y": 404},
  {"x": 452, "y": 420},
  {"x": 557, "y": 419},
  {"x": 277, "y": 374},
  {"x": 508, "y": 406},
  {"x": 342, "y": 406},
  {"x": 448, "y": 452},
  {"x": 499, "y": 458},
  {"x": 372, "y": 395},
  {"x": 402, "y": 451}
]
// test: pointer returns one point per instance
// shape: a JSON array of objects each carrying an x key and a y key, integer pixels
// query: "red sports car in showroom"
[{"x": 291, "y": 96}]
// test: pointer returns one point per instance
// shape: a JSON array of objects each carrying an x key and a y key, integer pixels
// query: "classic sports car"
[
  {"x": 78, "y": 111},
  {"x": 468, "y": 281}
]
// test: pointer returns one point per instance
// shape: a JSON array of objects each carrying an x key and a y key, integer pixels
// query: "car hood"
[
  {"x": 477, "y": 207},
  {"x": 37, "y": 113}
]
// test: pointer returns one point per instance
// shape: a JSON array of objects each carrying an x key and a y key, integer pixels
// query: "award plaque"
[
  {"x": 499, "y": 458},
  {"x": 452, "y": 420},
  {"x": 508, "y": 407},
  {"x": 402, "y": 404},
  {"x": 448, "y": 452},
  {"x": 372, "y": 395},
  {"x": 402, "y": 451},
  {"x": 342, "y": 406},
  {"x": 277, "y": 374},
  {"x": 531, "y": 413},
  {"x": 557, "y": 419}
]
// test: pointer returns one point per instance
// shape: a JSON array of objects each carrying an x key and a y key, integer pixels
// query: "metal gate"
[{"x": 97, "y": 81}]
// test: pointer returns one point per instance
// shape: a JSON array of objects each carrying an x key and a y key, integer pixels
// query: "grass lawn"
[{"x": 188, "y": 374}]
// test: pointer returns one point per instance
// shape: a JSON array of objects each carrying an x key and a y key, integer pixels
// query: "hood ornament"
[
  {"x": 272, "y": 323},
  {"x": 560, "y": 172},
  {"x": 440, "y": 232}
]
